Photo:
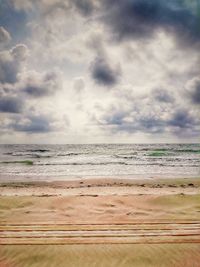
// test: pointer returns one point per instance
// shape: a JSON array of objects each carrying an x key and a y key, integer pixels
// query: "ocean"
[{"x": 67, "y": 162}]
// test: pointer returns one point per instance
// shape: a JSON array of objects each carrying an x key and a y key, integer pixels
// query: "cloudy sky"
[{"x": 99, "y": 71}]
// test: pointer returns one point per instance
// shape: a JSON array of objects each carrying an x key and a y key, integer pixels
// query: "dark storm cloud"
[
  {"x": 10, "y": 104},
  {"x": 103, "y": 73},
  {"x": 32, "y": 124},
  {"x": 142, "y": 18},
  {"x": 40, "y": 85}
]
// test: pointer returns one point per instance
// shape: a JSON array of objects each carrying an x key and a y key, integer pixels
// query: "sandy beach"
[
  {"x": 99, "y": 133},
  {"x": 148, "y": 217}
]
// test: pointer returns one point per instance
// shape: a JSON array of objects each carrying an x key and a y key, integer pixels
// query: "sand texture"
[{"x": 100, "y": 223}]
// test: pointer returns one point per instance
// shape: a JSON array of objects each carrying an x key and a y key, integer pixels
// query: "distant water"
[{"x": 62, "y": 162}]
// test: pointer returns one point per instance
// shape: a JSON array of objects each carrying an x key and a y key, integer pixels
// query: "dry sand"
[{"x": 62, "y": 216}]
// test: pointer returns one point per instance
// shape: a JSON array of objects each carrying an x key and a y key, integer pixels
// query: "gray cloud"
[
  {"x": 40, "y": 85},
  {"x": 142, "y": 18},
  {"x": 194, "y": 90},
  {"x": 196, "y": 94},
  {"x": 182, "y": 119},
  {"x": 85, "y": 7},
  {"x": 11, "y": 62},
  {"x": 19, "y": 52},
  {"x": 8, "y": 68},
  {"x": 162, "y": 95},
  {"x": 132, "y": 122},
  {"x": 11, "y": 104},
  {"x": 103, "y": 73},
  {"x": 143, "y": 114},
  {"x": 79, "y": 84},
  {"x": 4, "y": 35},
  {"x": 151, "y": 123},
  {"x": 32, "y": 124}
]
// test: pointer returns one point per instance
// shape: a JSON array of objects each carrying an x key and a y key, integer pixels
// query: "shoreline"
[
  {"x": 103, "y": 186},
  {"x": 65, "y": 178}
]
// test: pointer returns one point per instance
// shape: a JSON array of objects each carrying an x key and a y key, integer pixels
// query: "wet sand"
[{"x": 102, "y": 187}]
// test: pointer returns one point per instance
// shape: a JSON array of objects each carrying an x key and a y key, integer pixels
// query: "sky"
[{"x": 99, "y": 71}]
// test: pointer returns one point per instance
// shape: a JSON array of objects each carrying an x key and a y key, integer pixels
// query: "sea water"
[{"x": 66, "y": 162}]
